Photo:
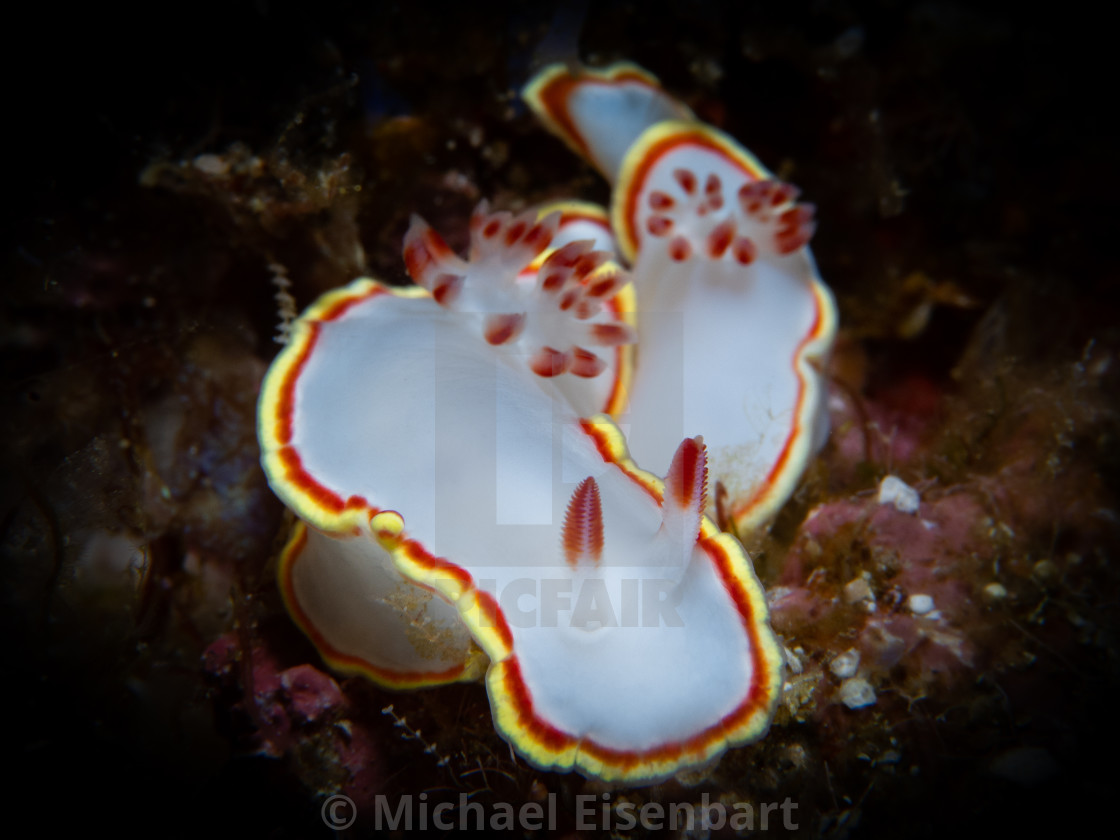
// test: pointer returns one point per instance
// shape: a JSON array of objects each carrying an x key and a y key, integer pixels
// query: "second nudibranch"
[
  {"x": 437, "y": 434},
  {"x": 734, "y": 322}
]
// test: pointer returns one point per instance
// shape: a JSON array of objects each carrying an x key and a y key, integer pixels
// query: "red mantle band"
[
  {"x": 311, "y": 500},
  {"x": 773, "y": 492}
]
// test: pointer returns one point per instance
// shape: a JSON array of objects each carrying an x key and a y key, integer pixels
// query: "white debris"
[
  {"x": 111, "y": 559},
  {"x": 845, "y": 664},
  {"x": 211, "y": 165},
  {"x": 890, "y": 757},
  {"x": 856, "y": 693},
  {"x": 894, "y": 491},
  {"x": 1045, "y": 572},
  {"x": 953, "y": 642},
  {"x": 994, "y": 592},
  {"x": 920, "y": 604},
  {"x": 793, "y": 661},
  {"x": 858, "y": 591}
]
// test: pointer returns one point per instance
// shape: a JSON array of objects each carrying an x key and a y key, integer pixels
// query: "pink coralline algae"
[
  {"x": 310, "y": 692},
  {"x": 863, "y": 602},
  {"x": 294, "y": 708},
  {"x": 884, "y": 605}
]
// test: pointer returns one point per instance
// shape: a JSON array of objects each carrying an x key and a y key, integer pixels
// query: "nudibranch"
[
  {"x": 734, "y": 321},
  {"x": 435, "y": 442}
]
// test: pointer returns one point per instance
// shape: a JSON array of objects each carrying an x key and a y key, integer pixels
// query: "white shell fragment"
[
  {"x": 845, "y": 664},
  {"x": 994, "y": 592},
  {"x": 856, "y": 693},
  {"x": 894, "y": 491},
  {"x": 920, "y": 604},
  {"x": 858, "y": 590}
]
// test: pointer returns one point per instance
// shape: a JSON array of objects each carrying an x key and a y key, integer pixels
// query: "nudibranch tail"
[{"x": 600, "y": 113}]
